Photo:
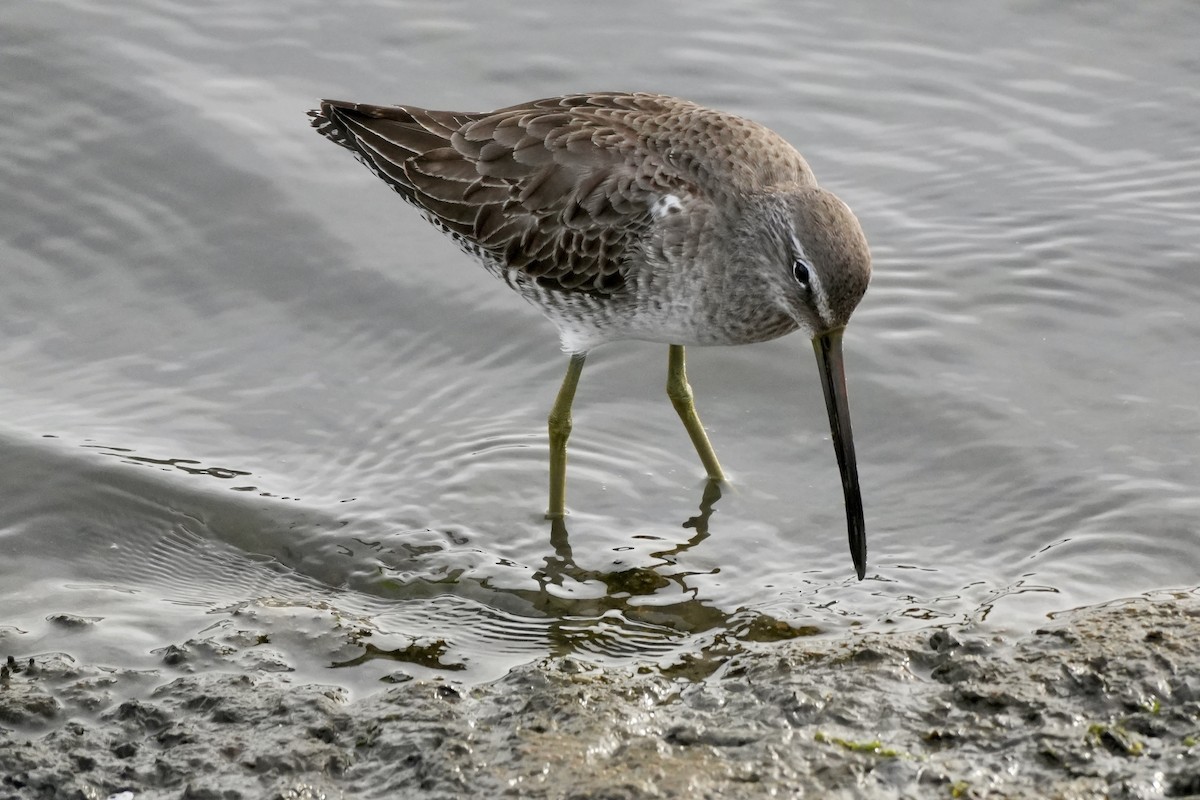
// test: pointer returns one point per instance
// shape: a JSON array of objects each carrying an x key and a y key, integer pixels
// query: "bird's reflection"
[
  {"x": 624, "y": 590},
  {"x": 646, "y": 610},
  {"x": 699, "y": 523},
  {"x": 621, "y": 621},
  {"x": 561, "y": 565}
]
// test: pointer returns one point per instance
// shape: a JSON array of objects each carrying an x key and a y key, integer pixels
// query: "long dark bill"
[{"x": 833, "y": 381}]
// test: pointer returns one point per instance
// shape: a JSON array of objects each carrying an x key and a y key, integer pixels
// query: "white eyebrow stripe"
[
  {"x": 814, "y": 282},
  {"x": 798, "y": 250}
]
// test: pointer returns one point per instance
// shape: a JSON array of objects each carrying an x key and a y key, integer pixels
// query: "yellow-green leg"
[
  {"x": 681, "y": 397},
  {"x": 560, "y": 431}
]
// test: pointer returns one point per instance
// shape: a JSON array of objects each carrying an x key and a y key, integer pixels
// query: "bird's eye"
[{"x": 800, "y": 272}]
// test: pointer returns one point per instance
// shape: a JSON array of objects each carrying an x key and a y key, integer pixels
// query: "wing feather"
[{"x": 559, "y": 189}]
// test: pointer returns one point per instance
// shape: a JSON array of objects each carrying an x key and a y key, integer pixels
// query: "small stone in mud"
[
  {"x": 449, "y": 693},
  {"x": 941, "y": 641},
  {"x": 72, "y": 621},
  {"x": 396, "y": 677},
  {"x": 173, "y": 655},
  {"x": 125, "y": 750},
  {"x": 690, "y": 735},
  {"x": 958, "y": 671}
]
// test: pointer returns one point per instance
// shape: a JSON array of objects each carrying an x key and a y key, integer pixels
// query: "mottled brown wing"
[{"x": 557, "y": 189}]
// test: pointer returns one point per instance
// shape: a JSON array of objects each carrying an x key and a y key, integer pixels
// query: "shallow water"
[{"x": 237, "y": 374}]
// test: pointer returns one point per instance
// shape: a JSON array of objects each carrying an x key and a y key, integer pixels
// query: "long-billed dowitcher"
[{"x": 635, "y": 216}]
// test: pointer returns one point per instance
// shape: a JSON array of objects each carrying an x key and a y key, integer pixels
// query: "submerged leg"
[
  {"x": 681, "y": 397},
  {"x": 560, "y": 430}
]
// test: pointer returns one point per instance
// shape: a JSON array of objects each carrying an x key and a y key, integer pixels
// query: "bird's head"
[{"x": 829, "y": 264}]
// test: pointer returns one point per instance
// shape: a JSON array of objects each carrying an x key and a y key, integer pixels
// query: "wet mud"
[{"x": 1099, "y": 702}]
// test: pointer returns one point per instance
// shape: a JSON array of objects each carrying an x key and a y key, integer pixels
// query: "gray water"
[{"x": 239, "y": 376}]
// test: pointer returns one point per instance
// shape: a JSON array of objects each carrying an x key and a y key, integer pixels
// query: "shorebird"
[{"x": 635, "y": 216}]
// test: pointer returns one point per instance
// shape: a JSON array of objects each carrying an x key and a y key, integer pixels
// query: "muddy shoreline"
[{"x": 1099, "y": 702}]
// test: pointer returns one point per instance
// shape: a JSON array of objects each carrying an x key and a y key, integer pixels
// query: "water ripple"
[{"x": 274, "y": 392}]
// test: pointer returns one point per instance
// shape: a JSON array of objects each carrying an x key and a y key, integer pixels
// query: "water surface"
[{"x": 239, "y": 376}]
